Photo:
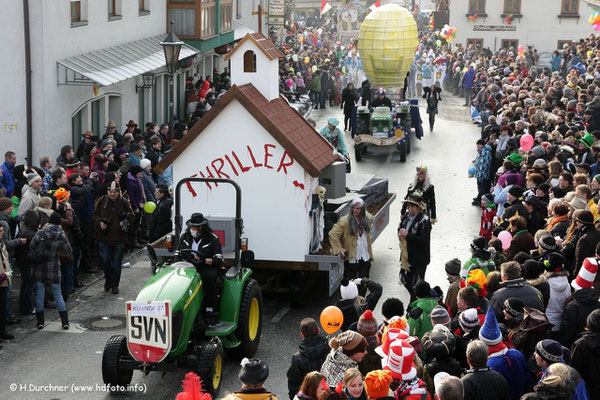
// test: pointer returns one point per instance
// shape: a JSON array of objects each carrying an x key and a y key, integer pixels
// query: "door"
[{"x": 508, "y": 43}]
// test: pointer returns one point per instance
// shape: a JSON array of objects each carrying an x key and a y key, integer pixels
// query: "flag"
[
  {"x": 325, "y": 7},
  {"x": 375, "y": 5}
]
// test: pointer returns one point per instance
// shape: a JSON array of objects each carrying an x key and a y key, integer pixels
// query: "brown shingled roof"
[
  {"x": 264, "y": 44},
  {"x": 283, "y": 122}
]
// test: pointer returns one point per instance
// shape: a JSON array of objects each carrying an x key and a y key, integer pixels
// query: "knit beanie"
[
  {"x": 490, "y": 331},
  {"x": 144, "y": 162},
  {"x": 514, "y": 307},
  {"x": 453, "y": 267},
  {"x": 548, "y": 243},
  {"x": 479, "y": 243},
  {"x": 468, "y": 319},
  {"x": 439, "y": 315},
  {"x": 549, "y": 350},
  {"x": 348, "y": 290},
  {"x": 377, "y": 383},
  {"x": 422, "y": 289},
  {"x": 32, "y": 177},
  {"x": 5, "y": 202},
  {"x": 350, "y": 342},
  {"x": 367, "y": 324},
  {"x": 555, "y": 263},
  {"x": 516, "y": 191},
  {"x": 532, "y": 269}
]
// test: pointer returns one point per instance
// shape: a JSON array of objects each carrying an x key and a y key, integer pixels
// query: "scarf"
[
  {"x": 412, "y": 386},
  {"x": 556, "y": 221},
  {"x": 497, "y": 350}
]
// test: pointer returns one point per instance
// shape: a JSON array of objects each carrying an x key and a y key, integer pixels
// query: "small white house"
[
  {"x": 545, "y": 25},
  {"x": 255, "y": 138}
]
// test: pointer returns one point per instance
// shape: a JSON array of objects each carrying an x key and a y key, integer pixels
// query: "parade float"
[
  {"x": 387, "y": 44},
  {"x": 293, "y": 188}
]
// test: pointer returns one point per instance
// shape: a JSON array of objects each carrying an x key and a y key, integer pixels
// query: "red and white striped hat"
[
  {"x": 400, "y": 360},
  {"x": 388, "y": 338},
  {"x": 587, "y": 274}
]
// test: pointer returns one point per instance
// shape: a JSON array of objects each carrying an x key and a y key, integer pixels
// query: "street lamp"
[{"x": 171, "y": 46}]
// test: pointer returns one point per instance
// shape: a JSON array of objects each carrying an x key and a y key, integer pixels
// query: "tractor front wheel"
[
  {"x": 210, "y": 367},
  {"x": 249, "y": 322},
  {"x": 112, "y": 374}
]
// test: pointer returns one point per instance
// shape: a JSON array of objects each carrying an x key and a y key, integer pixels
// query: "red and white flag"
[
  {"x": 325, "y": 7},
  {"x": 375, "y": 5}
]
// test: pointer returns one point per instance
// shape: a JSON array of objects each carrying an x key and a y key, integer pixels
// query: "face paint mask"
[{"x": 195, "y": 233}]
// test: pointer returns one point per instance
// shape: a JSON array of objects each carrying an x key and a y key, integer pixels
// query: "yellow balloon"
[
  {"x": 331, "y": 319},
  {"x": 306, "y": 60},
  {"x": 387, "y": 42}
]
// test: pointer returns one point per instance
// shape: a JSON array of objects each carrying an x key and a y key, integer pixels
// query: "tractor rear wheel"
[
  {"x": 112, "y": 375},
  {"x": 210, "y": 367},
  {"x": 249, "y": 321},
  {"x": 358, "y": 152}
]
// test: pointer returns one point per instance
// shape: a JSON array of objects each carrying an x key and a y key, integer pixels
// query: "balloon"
[
  {"x": 472, "y": 171},
  {"x": 505, "y": 237},
  {"x": 526, "y": 142},
  {"x": 438, "y": 43},
  {"x": 149, "y": 207},
  {"x": 301, "y": 39},
  {"x": 331, "y": 319},
  {"x": 306, "y": 60}
]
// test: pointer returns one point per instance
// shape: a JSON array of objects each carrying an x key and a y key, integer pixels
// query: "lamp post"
[{"x": 171, "y": 46}]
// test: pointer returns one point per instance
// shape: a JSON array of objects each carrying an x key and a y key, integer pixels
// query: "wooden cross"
[{"x": 260, "y": 13}]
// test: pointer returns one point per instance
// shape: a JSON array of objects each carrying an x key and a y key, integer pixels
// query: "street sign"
[
  {"x": 149, "y": 330},
  {"x": 276, "y": 12},
  {"x": 276, "y": 20}
]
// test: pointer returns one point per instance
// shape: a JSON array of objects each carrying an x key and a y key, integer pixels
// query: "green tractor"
[{"x": 165, "y": 329}]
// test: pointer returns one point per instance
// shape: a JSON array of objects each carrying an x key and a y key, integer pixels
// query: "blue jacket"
[
  {"x": 8, "y": 180},
  {"x": 469, "y": 78},
  {"x": 513, "y": 367}
]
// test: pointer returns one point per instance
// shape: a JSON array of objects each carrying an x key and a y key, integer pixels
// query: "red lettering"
[
  {"x": 218, "y": 170},
  {"x": 231, "y": 164},
  {"x": 252, "y": 157},
  {"x": 207, "y": 184},
  {"x": 267, "y": 155},
  {"x": 283, "y": 164},
  {"x": 190, "y": 188},
  {"x": 210, "y": 175},
  {"x": 242, "y": 168}
]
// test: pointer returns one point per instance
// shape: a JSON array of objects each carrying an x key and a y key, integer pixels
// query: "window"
[
  {"x": 561, "y": 44},
  {"x": 144, "y": 7},
  {"x": 208, "y": 18},
  {"x": 569, "y": 7},
  {"x": 226, "y": 15},
  {"x": 184, "y": 21},
  {"x": 238, "y": 9},
  {"x": 249, "y": 61},
  {"x": 114, "y": 9},
  {"x": 508, "y": 43},
  {"x": 477, "y": 6},
  {"x": 477, "y": 43},
  {"x": 512, "y": 6},
  {"x": 75, "y": 11}
]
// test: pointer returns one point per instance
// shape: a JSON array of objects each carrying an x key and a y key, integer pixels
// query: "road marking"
[
  {"x": 390, "y": 155},
  {"x": 280, "y": 314}
]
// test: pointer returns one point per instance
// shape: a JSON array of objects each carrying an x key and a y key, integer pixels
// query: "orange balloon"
[{"x": 331, "y": 319}]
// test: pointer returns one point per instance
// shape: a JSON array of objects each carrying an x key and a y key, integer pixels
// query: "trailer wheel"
[
  {"x": 249, "y": 321},
  {"x": 402, "y": 149},
  {"x": 210, "y": 367},
  {"x": 358, "y": 152},
  {"x": 117, "y": 378}
]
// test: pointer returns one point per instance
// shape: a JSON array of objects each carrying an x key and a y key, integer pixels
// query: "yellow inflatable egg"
[{"x": 387, "y": 44}]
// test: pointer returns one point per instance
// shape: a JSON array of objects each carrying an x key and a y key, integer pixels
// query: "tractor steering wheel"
[{"x": 187, "y": 255}]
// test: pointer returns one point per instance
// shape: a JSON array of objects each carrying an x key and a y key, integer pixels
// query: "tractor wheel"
[
  {"x": 112, "y": 375},
  {"x": 402, "y": 149},
  {"x": 358, "y": 152},
  {"x": 211, "y": 358},
  {"x": 408, "y": 143},
  {"x": 249, "y": 322}
]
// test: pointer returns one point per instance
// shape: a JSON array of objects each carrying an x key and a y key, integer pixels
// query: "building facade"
[
  {"x": 95, "y": 61},
  {"x": 544, "y": 24}
]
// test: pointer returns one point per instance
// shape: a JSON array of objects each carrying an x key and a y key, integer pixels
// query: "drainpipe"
[{"x": 28, "y": 82}]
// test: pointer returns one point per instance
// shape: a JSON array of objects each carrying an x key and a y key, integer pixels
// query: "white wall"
[
  {"x": 539, "y": 26},
  {"x": 246, "y": 8},
  {"x": 275, "y": 211},
  {"x": 265, "y": 79}
]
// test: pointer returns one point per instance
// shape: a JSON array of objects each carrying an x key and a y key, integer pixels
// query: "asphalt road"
[{"x": 57, "y": 364}]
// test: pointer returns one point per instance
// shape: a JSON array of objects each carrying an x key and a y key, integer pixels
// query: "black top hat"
[
  {"x": 254, "y": 371},
  {"x": 196, "y": 221}
]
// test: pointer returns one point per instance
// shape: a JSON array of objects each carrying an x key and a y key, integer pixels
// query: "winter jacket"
[
  {"x": 483, "y": 163},
  {"x": 335, "y": 366},
  {"x": 315, "y": 84},
  {"x": 348, "y": 306},
  {"x": 82, "y": 199},
  {"x": 530, "y": 296},
  {"x": 546, "y": 392},
  {"x": 584, "y": 358},
  {"x": 418, "y": 239},
  {"x": 161, "y": 221},
  {"x": 310, "y": 356},
  {"x": 4, "y": 265},
  {"x": 560, "y": 290},
  {"x": 149, "y": 186},
  {"x": 451, "y": 293},
  {"x": 44, "y": 254},
  {"x": 341, "y": 239},
  {"x": 574, "y": 317},
  {"x": 512, "y": 365},
  {"x": 209, "y": 246},
  {"x": 8, "y": 180},
  {"x": 349, "y": 98},
  {"x": 469, "y": 78},
  {"x": 112, "y": 213},
  {"x": 254, "y": 394},
  {"x": 135, "y": 191},
  {"x": 29, "y": 200},
  {"x": 484, "y": 384},
  {"x": 543, "y": 286},
  {"x": 29, "y": 224},
  {"x": 586, "y": 246},
  {"x": 560, "y": 229},
  {"x": 419, "y": 312},
  {"x": 522, "y": 241},
  {"x": 475, "y": 262},
  {"x": 9, "y": 242},
  {"x": 488, "y": 212}
]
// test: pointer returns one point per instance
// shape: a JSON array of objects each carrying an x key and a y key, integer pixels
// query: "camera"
[
  {"x": 106, "y": 221},
  {"x": 125, "y": 225}
]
